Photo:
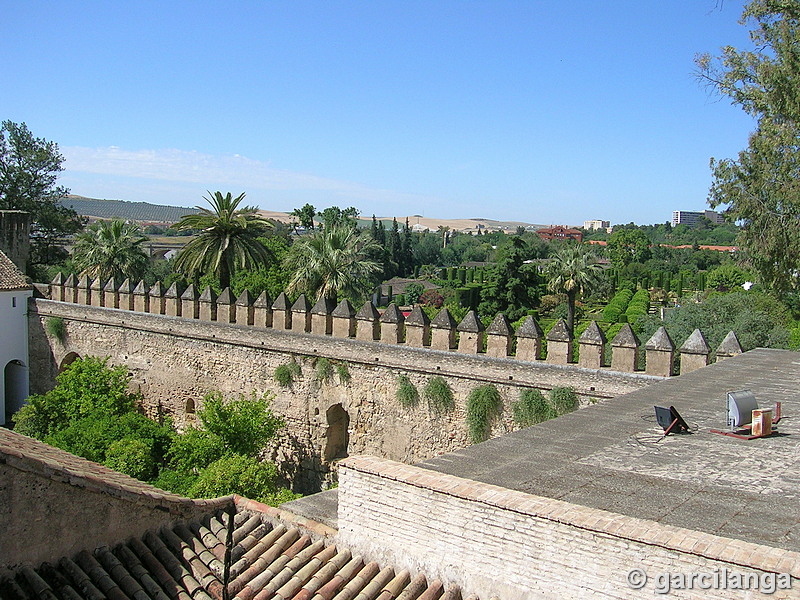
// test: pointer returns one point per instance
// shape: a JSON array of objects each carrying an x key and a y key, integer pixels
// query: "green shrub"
[
  {"x": 245, "y": 425},
  {"x": 87, "y": 386},
  {"x": 195, "y": 449},
  {"x": 343, "y": 371},
  {"x": 132, "y": 457},
  {"x": 323, "y": 369},
  {"x": 484, "y": 405},
  {"x": 407, "y": 394},
  {"x": 439, "y": 395},
  {"x": 55, "y": 327},
  {"x": 286, "y": 374},
  {"x": 563, "y": 399},
  {"x": 531, "y": 408},
  {"x": 246, "y": 476}
]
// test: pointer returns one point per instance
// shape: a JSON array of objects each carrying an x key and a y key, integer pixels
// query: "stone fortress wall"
[
  {"x": 14, "y": 238},
  {"x": 179, "y": 346}
]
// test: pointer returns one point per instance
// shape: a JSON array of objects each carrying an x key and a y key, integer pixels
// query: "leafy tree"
[
  {"x": 413, "y": 291},
  {"x": 227, "y": 240},
  {"x": 85, "y": 387},
  {"x": 29, "y": 169},
  {"x": 244, "y": 425},
  {"x": 727, "y": 277},
  {"x": 626, "y": 246},
  {"x": 243, "y": 475},
  {"x": 572, "y": 270},
  {"x": 336, "y": 217},
  {"x": 111, "y": 249},
  {"x": 332, "y": 261},
  {"x": 305, "y": 215},
  {"x": 133, "y": 457},
  {"x": 761, "y": 187}
]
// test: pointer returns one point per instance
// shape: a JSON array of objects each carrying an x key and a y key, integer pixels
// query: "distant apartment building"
[
  {"x": 686, "y": 217},
  {"x": 597, "y": 224},
  {"x": 560, "y": 232}
]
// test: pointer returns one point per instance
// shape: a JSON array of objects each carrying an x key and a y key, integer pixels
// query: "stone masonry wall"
[
  {"x": 175, "y": 361},
  {"x": 14, "y": 237},
  {"x": 495, "y": 542}
]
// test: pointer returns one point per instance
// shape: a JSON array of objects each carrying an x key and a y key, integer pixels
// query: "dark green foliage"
[
  {"x": 55, "y": 327},
  {"x": 413, "y": 292},
  {"x": 323, "y": 369},
  {"x": 531, "y": 408},
  {"x": 109, "y": 249},
  {"x": 407, "y": 394},
  {"x": 286, "y": 374},
  {"x": 617, "y": 305},
  {"x": 513, "y": 285},
  {"x": 243, "y": 475},
  {"x": 563, "y": 399},
  {"x": 484, "y": 405},
  {"x": 132, "y": 457},
  {"x": 638, "y": 306},
  {"x": 245, "y": 425},
  {"x": 438, "y": 395},
  {"x": 86, "y": 387}
]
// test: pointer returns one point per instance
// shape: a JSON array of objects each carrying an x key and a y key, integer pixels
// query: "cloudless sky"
[{"x": 545, "y": 112}]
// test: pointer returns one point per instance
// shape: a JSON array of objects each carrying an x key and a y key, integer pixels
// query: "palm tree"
[
  {"x": 227, "y": 239},
  {"x": 109, "y": 249},
  {"x": 331, "y": 261},
  {"x": 573, "y": 270}
]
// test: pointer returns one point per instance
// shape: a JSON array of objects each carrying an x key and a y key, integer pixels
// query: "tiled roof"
[
  {"x": 187, "y": 561},
  {"x": 10, "y": 276}
]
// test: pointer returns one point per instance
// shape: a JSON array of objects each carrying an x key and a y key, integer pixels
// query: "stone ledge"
[{"x": 687, "y": 541}]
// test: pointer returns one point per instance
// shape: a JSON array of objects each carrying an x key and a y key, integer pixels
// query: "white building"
[
  {"x": 687, "y": 217},
  {"x": 597, "y": 224},
  {"x": 14, "y": 293}
]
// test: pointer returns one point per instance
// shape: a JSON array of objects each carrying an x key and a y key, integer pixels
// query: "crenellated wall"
[
  {"x": 15, "y": 236},
  {"x": 174, "y": 361}
]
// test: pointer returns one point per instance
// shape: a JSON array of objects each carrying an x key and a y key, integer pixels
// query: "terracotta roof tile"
[{"x": 11, "y": 278}]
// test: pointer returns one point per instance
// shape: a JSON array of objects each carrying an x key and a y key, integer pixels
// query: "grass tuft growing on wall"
[
  {"x": 439, "y": 395},
  {"x": 484, "y": 405},
  {"x": 55, "y": 327},
  {"x": 531, "y": 408},
  {"x": 563, "y": 399},
  {"x": 323, "y": 369},
  {"x": 407, "y": 394},
  {"x": 343, "y": 371},
  {"x": 286, "y": 374}
]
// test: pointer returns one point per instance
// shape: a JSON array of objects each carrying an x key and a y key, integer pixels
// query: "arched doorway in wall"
[
  {"x": 15, "y": 387},
  {"x": 336, "y": 436},
  {"x": 68, "y": 360}
]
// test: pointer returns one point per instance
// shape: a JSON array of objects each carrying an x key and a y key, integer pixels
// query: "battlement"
[{"x": 529, "y": 343}]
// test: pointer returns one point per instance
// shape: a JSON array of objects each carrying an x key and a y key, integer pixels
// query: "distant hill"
[{"x": 142, "y": 212}]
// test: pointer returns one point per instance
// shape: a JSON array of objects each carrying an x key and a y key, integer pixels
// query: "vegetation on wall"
[
  {"x": 323, "y": 369},
  {"x": 532, "y": 406},
  {"x": 343, "y": 371},
  {"x": 438, "y": 395},
  {"x": 56, "y": 328},
  {"x": 287, "y": 373},
  {"x": 407, "y": 394},
  {"x": 484, "y": 405}
]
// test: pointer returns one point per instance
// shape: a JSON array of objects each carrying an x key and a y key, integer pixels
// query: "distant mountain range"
[{"x": 144, "y": 212}]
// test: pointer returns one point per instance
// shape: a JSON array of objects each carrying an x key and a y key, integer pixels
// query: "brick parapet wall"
[{"x": 498, "y": 542}]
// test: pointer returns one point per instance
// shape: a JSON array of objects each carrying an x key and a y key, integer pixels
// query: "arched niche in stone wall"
[
  {"x": 15, "y": 387},
  {"x": 68, "y": 360},
  {"x": 336, "y": 435}
]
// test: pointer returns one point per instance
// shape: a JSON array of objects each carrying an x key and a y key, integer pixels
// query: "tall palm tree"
[
  {"x": 331, "y": 261},
  {"x": 573, "y": 270},
  {"x": 111, "y": 249},
  {"x": 227, "y": 239}
]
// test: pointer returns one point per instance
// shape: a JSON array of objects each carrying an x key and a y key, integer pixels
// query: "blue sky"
[{"x": 544, "y": 112}]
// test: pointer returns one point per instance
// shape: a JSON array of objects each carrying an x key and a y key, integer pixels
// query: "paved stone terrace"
[{"x": 607, "y": 457}]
